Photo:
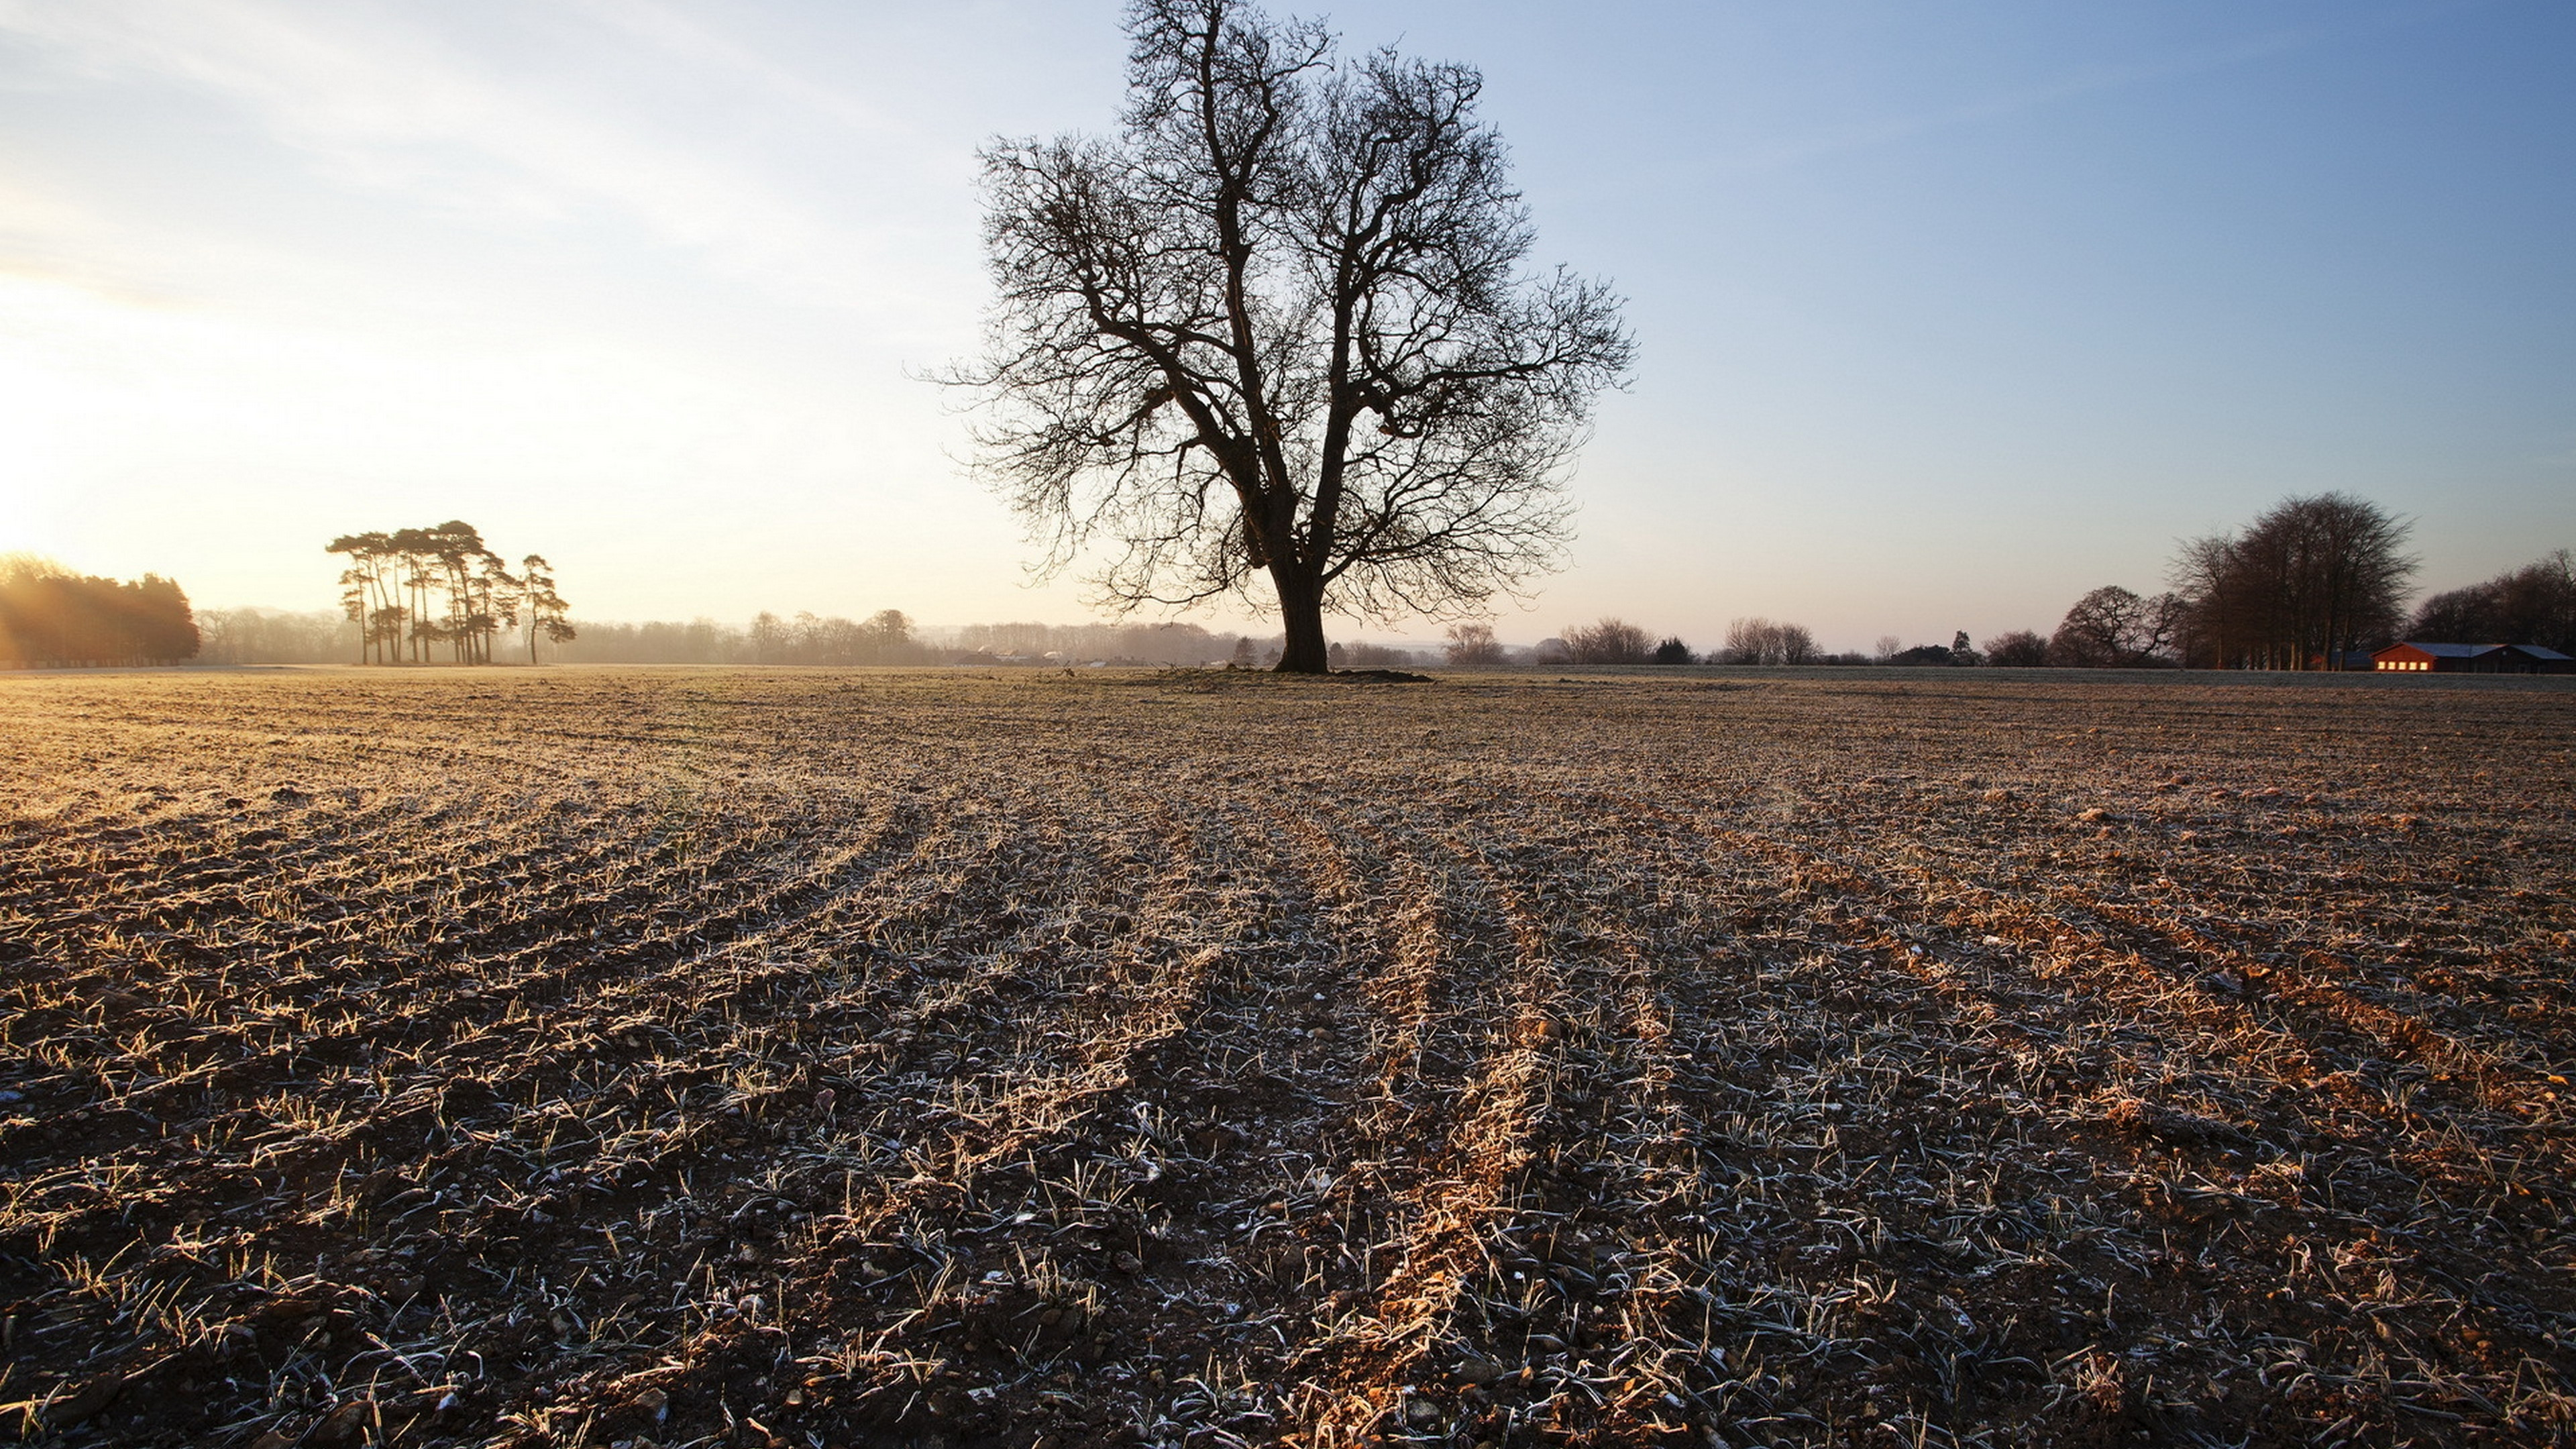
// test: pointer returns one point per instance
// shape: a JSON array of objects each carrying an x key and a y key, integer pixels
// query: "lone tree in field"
[{"x": 1278, "y": 329}]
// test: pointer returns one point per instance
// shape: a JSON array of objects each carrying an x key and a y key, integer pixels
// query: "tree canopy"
[
  {"x": 1277, "y": 330},
  {"x": 414, "y": 591},
  {"x": 50, "y": 615},
  {"x": 2310, "y": 579},
  {"x": 2534, "y": 604}
]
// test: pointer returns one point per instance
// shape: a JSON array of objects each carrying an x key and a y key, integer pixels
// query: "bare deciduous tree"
[
  {"x": 2534, "y": 604},
  {"x": 2114, "y": 628},
  {"x": 1763, "y": 641},
  {"x": 1611, "y": 641},
  {"x": 2017, "y": 649},
  {"x": 2308, "y": 580},
  {"x": 1278, "y": 329},
  {"x": 1473, "y": 646}
]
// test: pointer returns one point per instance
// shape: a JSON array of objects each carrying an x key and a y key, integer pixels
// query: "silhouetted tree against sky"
[
  {"x": 414, "y": 588},
  {"x": 541, "y": 605},
  {"x": 367, "y": 593},
  {"x": 2534, "y": 604},
  {"x": 2017, "y": 649},
  {"x": 1761, "y": 641},
  {"x": 1609, "y": 641},
  {"x": 2309, "y": 579},
  {"x": 2114, "y": 628},
  {"x": 1277, "y": 329}
]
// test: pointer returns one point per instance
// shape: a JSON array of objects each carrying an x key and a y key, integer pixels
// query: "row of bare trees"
[
  {"x": 52, "y": 616},
  {"x": 884, "y": 637},
  {"x": 2534, "y": 604},
  {"x": 1767, "y": 641},
  {"x": 1616, "y": 641},
  {"x": 2309, "y": 581},
  {"x": 416, "y": 593}
]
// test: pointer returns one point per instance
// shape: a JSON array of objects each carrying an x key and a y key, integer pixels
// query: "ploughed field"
[{"x": 837, "y": 1058}]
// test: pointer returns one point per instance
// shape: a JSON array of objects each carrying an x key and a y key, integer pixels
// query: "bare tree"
[
  {"x": 1762, "y": 641},
  {"x": 2017, "y": 649},
  {"x": 1748, "y": 641},
  {"x": 2308, "y": 580},
  {"x": 2114, "y": 628},
  {"x": 1611, "y": 641},
  {"x": 1473, "y": 646},
  {"x": 887, "y": 637},
  {"x": 2534, "y": 604},
  {"x": 1278, "y": 329}
]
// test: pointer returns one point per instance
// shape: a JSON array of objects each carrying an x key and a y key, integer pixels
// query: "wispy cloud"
[
  {"x": 380, "y": 99},
  {"x": 681, "y": 37},
  {"x": 2085, "y": 81}
]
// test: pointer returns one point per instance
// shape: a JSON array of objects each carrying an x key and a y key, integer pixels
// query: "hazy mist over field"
[{"x": 1943, "y": 316}]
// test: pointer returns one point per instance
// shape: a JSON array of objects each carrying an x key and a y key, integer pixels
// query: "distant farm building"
[{"x": 2418, "y": 657}]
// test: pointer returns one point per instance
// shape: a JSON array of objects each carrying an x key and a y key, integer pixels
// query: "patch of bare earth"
[{"x": 759, "y": 1058}]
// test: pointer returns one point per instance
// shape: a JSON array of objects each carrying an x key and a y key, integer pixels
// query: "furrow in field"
[
  {"x": 1480, "y": 1027},
  {"x": 975, "y": 1135},
  {"x": 480, "y": 1003},
  {"x": 2200, "y": 1193},
  {"x": 2291, "y": 972}
]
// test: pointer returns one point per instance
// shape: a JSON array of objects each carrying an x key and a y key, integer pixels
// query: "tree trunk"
[{"x": 1301, "y": 611}]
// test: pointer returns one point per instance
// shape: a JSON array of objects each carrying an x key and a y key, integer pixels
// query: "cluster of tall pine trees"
[{"x": 426, "y": 595}]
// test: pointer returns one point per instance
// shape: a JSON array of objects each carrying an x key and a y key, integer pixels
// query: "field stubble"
[{"x": 664, "y": 1057}]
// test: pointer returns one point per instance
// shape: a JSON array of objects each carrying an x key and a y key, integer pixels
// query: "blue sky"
[{"x": 1945, "y": 314}]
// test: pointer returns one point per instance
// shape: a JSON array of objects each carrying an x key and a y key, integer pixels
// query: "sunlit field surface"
[{"x": 838, "y": 1058}]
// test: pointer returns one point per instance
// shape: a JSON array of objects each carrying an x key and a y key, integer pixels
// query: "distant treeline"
[
  {"x": 2309, "y": 584},
  {"x": 2534, "y": 604},
  {"x": 50, "y": 616},
  {"x": 2312, "y": 583},
  {"x": 276, "y": 636},
  {"x": 885, "y": 637},
  {"x": 891, "y": 637},
  {"x": 269, "y": 636}
]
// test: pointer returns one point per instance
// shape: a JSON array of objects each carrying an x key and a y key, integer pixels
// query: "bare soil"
[{"x": 837, "y": 1058}]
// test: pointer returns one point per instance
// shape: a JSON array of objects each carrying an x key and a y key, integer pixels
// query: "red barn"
[
  {"x": 2417, "y": 657},
  {"x": 2420, "y": 658}
]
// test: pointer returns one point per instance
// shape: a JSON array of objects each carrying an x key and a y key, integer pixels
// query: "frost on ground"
[{"x": 666, "y": 1057}]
